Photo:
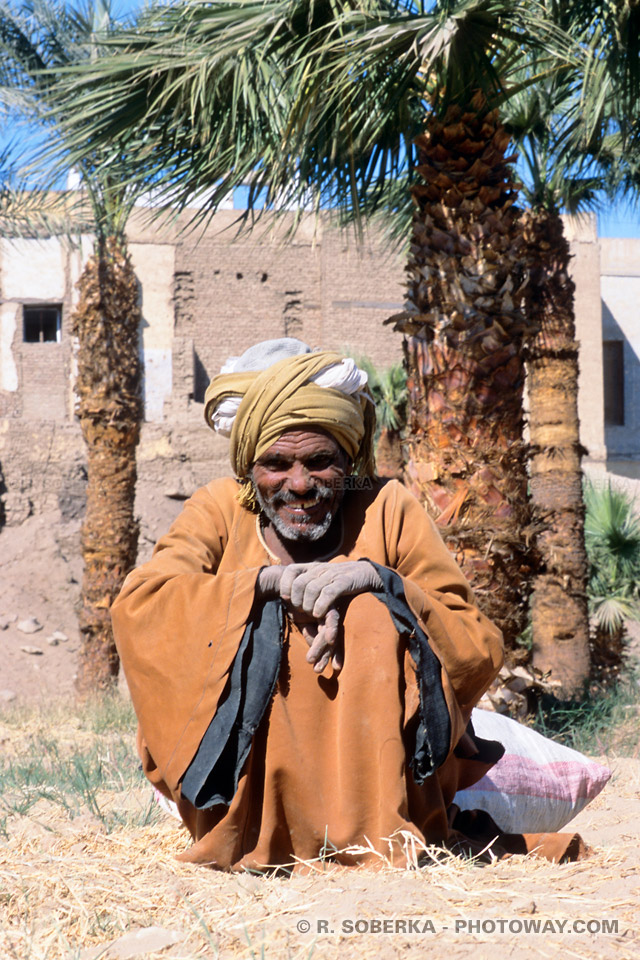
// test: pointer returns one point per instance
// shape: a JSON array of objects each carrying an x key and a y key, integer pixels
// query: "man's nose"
[{"x": 299, "y": 479}]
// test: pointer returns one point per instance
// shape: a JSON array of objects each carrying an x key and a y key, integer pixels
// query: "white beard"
[{"x": 311, "y": 532}]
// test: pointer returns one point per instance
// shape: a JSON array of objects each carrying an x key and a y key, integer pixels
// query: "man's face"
[{"x": 297, "y": 483}]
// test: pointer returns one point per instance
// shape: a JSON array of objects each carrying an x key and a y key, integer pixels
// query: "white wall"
[
  {"x": 620, "y": 287},
  {"x": 154, "y": 264}
]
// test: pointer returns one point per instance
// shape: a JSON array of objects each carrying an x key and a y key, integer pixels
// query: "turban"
[{"x": 289, "y": 395}]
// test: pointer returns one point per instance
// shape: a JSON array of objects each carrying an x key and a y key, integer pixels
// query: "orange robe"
[{"x": 328, "y": 766}]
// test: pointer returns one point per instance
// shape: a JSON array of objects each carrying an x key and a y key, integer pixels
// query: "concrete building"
[{"x": 206, "y": 296}]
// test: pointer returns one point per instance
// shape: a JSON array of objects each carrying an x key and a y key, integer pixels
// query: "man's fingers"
[
  {"x": 319, "y": 656},
  {"x": 318, "y": 648},
  {"x": 289, "y": 575},
  {"x": 315, "y": 587},
  {"x": 331, "y": 626},
  {"x": 322, "y": 641},
  {"x": 315, "y": 592},
  {"x": 321, "y": 664},
  {"x": 329, "y": 595},
  {"x": 307, "y": 587},
  {"x": 310, "y": 632}
]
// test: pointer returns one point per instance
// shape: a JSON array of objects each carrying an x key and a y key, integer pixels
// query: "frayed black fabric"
[
  {"x": 213, "y": 775},
  {"x": 433, "y": 735}
]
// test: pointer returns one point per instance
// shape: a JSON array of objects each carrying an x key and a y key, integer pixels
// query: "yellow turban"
[{"x": 283, "y": 398}]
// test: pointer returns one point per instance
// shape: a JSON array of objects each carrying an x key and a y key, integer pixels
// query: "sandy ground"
[
  {"x": 69, "y": 890},
  {"x": 40, "y": 575}
]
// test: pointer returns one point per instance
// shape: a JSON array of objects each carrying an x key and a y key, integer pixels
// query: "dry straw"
[{"x": 74, "y": 886}]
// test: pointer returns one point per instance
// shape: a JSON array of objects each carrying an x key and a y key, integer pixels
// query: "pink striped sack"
[{"x": 538, "y": 786}]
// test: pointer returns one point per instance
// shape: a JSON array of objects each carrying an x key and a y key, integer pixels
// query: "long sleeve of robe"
[{"x": 329, "y": 765}]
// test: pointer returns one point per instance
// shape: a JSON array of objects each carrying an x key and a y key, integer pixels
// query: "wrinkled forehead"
[{"x": 303, "y": 443}]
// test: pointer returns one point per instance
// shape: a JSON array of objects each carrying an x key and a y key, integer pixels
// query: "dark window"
[
  {"x": 42, "y": 323},
  {"x": 613, "y": 364},
  {"x": 201, "y": 379}
]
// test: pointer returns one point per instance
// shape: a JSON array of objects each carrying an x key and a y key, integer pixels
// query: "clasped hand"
[{"x": 315, "y": 589}]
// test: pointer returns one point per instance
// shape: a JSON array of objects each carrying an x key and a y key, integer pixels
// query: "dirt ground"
[
  {"x": 40, "y": 575},
  {"x": 69, "y": 890}
]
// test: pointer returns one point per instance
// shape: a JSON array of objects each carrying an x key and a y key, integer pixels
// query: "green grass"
[
  {"x": 602, "y": 722},
  {"x": 79, "y": 760},
  {"x": 108, "y": 713}
]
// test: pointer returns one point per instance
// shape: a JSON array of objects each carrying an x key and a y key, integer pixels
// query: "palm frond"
[
  {"x": 612, "y": 533},
  {"x": 25, "y": 212},
  {"x": 388, "y": 388},
  {"x": 39, "y": 39},
  {"x": 610, "y": 612},
  {"x": 300, "y": 98}
]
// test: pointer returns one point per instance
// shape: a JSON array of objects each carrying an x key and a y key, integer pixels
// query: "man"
[{"x": 302, "y": 652}]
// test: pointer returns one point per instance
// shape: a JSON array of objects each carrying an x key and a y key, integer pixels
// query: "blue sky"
[{"x": 617, "y": 220}]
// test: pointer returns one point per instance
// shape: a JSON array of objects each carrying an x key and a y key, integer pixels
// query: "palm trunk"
[
  {"x": 106, "y": 323},
  {"x": 464, "y": 358},
  {"x": 389, "y": 456},
  {"x": 559, "y": 606}
]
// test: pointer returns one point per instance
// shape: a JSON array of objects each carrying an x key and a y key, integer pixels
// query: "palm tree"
[
  {"x": 570, "y": 140},
  {"x": 555, "y": 177},
  {"x": 464, "y": 353},
  {"x": 38, "y": 41},
  {"x": 356, "y": 103}
]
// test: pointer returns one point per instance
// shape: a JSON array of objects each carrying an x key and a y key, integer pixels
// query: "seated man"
[{"x": 302, "y": 651}]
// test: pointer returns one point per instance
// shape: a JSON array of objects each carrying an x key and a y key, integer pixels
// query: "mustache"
[{"x": 320, "y": 494}]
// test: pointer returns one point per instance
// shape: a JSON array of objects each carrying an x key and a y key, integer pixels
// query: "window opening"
[
  {"x": 42, "y": 324},
  {"x": 613, "y": 376}
]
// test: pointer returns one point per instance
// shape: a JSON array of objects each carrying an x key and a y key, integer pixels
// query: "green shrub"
[
  {"x": 612, "y": 535},
  {"x": 388, "y": 388}
]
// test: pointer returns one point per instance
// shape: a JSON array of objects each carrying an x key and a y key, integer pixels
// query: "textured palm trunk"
[
  {"x": 389, "y": 455},
  {"x": 106, "y": 323},
  {"x": 560, "y": 617},
  {"x": 464, "y": 356}
]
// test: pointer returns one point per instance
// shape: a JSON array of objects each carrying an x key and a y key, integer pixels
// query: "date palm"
[
  {"x": 571, "y": 143},
  {"x": 557, "y": 175},
  {"x": 355, "y": 104},
  {"x": 38, "y": 42}
]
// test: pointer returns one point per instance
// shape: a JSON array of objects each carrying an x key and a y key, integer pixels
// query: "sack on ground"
[{"x": 538, "y": 786}]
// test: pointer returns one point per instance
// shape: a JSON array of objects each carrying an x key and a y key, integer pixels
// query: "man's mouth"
[
  {"x": 301, "y": 508},
  {"x": 299, "y": 517}
]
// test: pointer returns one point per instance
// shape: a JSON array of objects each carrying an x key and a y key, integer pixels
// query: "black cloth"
[{"x": 213, "y": 775}]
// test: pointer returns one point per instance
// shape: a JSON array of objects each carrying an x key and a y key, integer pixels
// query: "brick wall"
[
  {"x": 206, "y": 295},
  {"x": 319, "y": 288},
  {"x": 221, "y": 295}
]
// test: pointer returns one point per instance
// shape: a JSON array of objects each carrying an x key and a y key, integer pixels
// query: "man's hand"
[
  {"x": 323, "y": 642},
  {"x": 315, "y": 588},
  {"x": 268, "y": 582}
]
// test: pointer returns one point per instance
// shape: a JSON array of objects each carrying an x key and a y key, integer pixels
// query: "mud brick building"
[{"x": 206, "y": 296}]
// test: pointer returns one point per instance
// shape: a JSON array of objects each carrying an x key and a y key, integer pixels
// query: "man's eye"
[{"x": 319, "y": 463}]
